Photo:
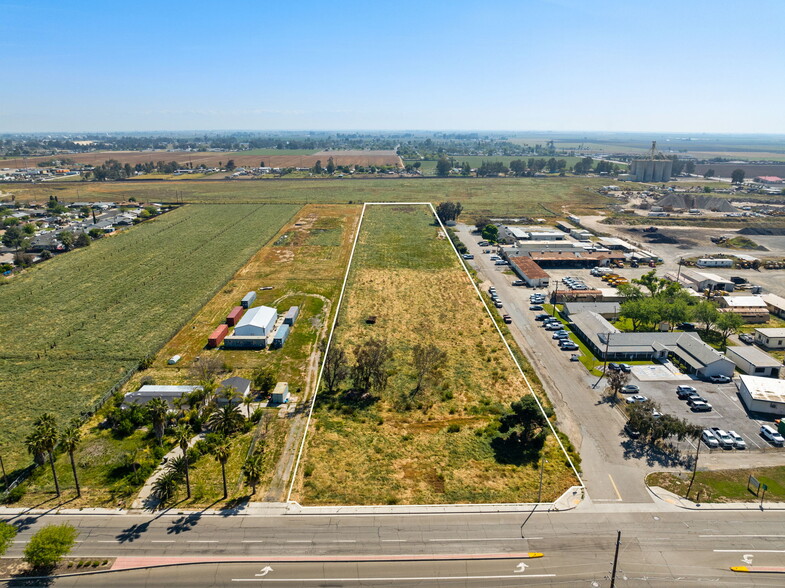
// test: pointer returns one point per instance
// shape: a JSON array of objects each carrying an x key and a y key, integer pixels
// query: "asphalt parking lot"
[{"x": 727, "y": 412}]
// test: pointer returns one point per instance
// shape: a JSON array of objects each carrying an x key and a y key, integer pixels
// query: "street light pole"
[
  {"x": 615, "y": 559},
  {"x": 542, "y": 467}
]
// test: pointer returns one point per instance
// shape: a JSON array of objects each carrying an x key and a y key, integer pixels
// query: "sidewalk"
[{"x": 675, "y": 500}]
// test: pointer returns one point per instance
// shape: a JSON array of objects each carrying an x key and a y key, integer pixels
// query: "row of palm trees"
[{"x": 44, "y": 438}]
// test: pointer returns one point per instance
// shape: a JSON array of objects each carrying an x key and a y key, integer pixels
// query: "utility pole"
[
  {"x": 5, "y": 478},
  {"x": 615, "y": 559},
  {"x": 694, "y": 469}
]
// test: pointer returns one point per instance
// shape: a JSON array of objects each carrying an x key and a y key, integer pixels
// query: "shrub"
[
  {"x": 12, "y": 496},
  {"x": 7, "y": 534},
  {"x": 48, "y": 546},
  {"x": 453, "y": 428}
]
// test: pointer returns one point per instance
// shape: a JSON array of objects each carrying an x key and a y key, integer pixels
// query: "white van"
[{"x": 709, "y": 439}]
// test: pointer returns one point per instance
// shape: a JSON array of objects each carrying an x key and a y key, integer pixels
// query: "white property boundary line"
[{"x": 487, "y": 310}]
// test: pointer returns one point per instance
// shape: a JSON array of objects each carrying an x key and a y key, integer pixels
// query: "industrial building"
[
  {"x": 529, "y": 272},
  {"x": 754, "y": 362},
  {"x": 607, "y": 310},
  {"x": 700, "y": 281},
  {"x": 655, "y": 167},
  {"x": 149, "y": 391},
  {"x": 574, "y": 259},
  {"x": 685, "y": 350},
  {"x": 763, "y": 395},
  {"x": 770, "y": 338},
  {"x": 280, "y": 337},
  {"x": 257, "y": 322},
  {"x": 751, "y": 308},
  {"x": 775, "y": 304}
]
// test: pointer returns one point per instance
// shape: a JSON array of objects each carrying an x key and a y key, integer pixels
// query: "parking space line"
[{"x": 615, "y": 489}]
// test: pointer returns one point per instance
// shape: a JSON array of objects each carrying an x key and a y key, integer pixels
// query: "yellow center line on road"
[{"x": 615, "y": 489}]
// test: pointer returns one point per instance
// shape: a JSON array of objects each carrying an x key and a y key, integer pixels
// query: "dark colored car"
[{"x": 613, "y": 367}]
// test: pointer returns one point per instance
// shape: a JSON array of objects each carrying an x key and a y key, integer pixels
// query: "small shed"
[
  {"x": 173, "y": 360},
  {"x": 217, "y": 336},
  {"x": 234, "y": 316},
  {"x": 248, "y": 300},
  {"x": 291, "y": 315},
  {"x": 280, "y": 337},
  {"x": 280, "y": 393}
]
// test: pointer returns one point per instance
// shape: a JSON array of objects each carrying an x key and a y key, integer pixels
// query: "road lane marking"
[
  {"x": 749, "y": 550},
  {"x": 393, "y": 579},
  {"x": 774, "y": 536},
  {"x": 344, "y": 541},
  {"x": 253, "y": 541},
  {"x": 112, "y": 541},
  {"x": 481, "y": 539},
  {"x": 615, "y": 489}
]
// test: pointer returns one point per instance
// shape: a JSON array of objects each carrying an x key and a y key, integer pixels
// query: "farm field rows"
[
  {"x": 433, "y": 445},
  {"x": 73, "y": 326},
  {"x": 537, "y": 197},
  {"x": 429, "y": 167},
  {"x": 271, "y": 158},
  {"x": 304, "y": 264}
]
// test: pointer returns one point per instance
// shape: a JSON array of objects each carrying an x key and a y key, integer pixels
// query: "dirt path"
[{"x": 278, "y": 486}]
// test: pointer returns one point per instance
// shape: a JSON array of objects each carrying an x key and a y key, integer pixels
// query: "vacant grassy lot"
[
  {"x": 74, "y": 325},
  {"x": 438, "y": 450},
  {"x": 724, "y": 485},
  {"x": 536, "y": 197}
]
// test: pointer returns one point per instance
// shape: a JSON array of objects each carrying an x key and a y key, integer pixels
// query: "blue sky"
[{"x": 611, "y": 65}]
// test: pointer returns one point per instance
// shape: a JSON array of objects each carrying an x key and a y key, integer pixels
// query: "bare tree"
[
  {"x": 370, "y": 369},
  {"x": 336, "y": 368},
  {"x": 427, "y": 361},
  {"x": 205, "y": 369},
  {"x": 615, "y": 382}
]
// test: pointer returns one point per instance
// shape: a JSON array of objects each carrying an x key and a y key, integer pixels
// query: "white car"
[
  {"x": 771, "y": 435},
  {"x": 636, "y": 398},
  {"x": 738, "y": 442},
  {"x": 709, "y": 439}
]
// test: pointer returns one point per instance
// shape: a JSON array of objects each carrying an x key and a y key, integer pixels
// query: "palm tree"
[
  {"x": 252, "y": 470},
  {"x": 42, "y": 440},
  {"x": 225, "y": 420},
  {"x": 158, "y": 410},
  {"x": 182, "y": 436},
  {"x": 35, "y": 447},
  {"x": 165, "y": 487},
  {"x": 70, "y": 439},
  {"x": 248, "y": 401},
  {"x": 221, "y": 451}
]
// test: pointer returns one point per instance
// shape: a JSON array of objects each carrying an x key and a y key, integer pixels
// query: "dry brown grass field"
[
  {"x": 438, "y": 450},
  {"x": 212, "y": 159}
]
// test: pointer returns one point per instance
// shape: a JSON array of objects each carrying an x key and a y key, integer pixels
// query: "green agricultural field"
[
  {"x": 537, "y": 197},
  {"x": 434, "y": 444},
  {"x": 73, "y": 326},
  {"x": 429, "y": 167}
]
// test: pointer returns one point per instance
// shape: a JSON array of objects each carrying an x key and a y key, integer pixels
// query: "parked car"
[
  {"x": 699, "y": 406},
  {"x": 709, "y": 439},
  {"x": 507, "y": 318},
  {"x": 738, "y": 442},
  {"x": 636, "y": 398},
  {"x": 613, "y": 367},
  {"x": 686, "y": 326},
  {"x": 695, "y": 397},
  {"x": 625, "y": 367},
  {"x": 574, "y": 356},
  {"x": 570, "y": 346},
  {"x": 498, "y": 304},
  {"x": 535, "y": 307},
  {"x": 685, "y": 389},
  {"x": 631, "y": 432},
  {"x": 719, "y": 379},
  {"x": 518, "y": 283},
  {"x": 746, "y": 338},
  {"x": 553, "y": 327},
  {"x": 468, "y": 256},
  {"x": 726, "y": 441},
  {"x": 771, "y": 435},
  {"x": 630, "y": 389},
  {"x": 542, "y": 316}
]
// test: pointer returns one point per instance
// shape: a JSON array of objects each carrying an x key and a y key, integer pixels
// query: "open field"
[
  {"x": 304, "y": 263},
  {"x": 514, "y": 197},
  {"x": 751, "y": 170},
  {"x": 724, "y": 485},
  {"x": 433, "y": 445},
  {"x": 296, "y": 158},
  {"x": 428, "y": 167},
  {"x": 73, "y": 326}
]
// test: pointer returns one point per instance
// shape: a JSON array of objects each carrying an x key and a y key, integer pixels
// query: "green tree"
[
  {"x": 15, "y": 237},
  {"x": 652, "y": 283},
  {"x": 165, "y": 487},
  {"x": 264, "y": 380},
  {"x": 83, "y": 240},
  {"x": 95, "y": 234},
  {"x": 448, "y": 211},
  {"x": 706, "y": 312},
  {"x": 70, "y": 440},
  {"x": 49, "y": 545},
  {"x": 230, "y": 165},
  {"x": 317, "y": 168},
  {"x": 490, "y": 233},
  {"x": 642, "y": 312},
  {"x": 727, "y": 324},
  {"x": 158, "y": 412},
  {"x": 7, "y": 534},
  {"x": 44, "y": 439},
  {"x": 330, "y": 166},
  {"x": 443, "y": 167},
  {"x": 481, "y": 222},
  {"x": 225, "y": 419},
  {"x": 689, "y": 167},
  {"x": 182, "y": 436},
  {"x": 737, "y": 176},
  {"x": 709, "y": 173},
  {"x": 522, "y": 431},
  {"x": 67, "y": 239},
  {"x": 221, "y": 451},
  {"x": 253, "y": 468}
]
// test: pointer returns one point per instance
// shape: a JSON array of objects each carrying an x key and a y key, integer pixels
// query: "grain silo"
[{"x": 655, "y": 167}]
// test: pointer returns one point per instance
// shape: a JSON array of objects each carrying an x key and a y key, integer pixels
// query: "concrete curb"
[{"x": 679, "y": 502}]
